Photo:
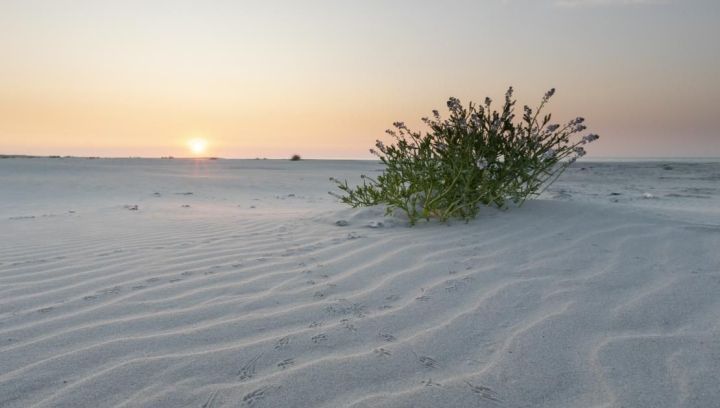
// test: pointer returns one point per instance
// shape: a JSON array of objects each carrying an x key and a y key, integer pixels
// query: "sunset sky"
[{"x": 325, "y": 78}]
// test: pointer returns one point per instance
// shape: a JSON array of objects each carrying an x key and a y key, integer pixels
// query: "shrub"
[
  {"x": 477, "y": 156},
  {"x": 295, "y": 157}
]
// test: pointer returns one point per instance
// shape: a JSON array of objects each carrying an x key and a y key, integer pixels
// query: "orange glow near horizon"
[
  {"x": 272, "y": 79},
  {"x": 197, "y": 145}
]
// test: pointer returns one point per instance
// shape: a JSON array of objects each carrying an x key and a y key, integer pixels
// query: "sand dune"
[{"x": 247, "y": 293}]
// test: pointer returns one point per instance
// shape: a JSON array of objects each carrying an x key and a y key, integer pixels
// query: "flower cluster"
[{"x": 477, "y": 156}]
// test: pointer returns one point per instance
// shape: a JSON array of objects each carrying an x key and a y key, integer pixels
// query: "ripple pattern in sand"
[{"x": 536, "y": 307}]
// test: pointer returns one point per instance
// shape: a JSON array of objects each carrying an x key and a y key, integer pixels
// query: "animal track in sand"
[
  {"x": 315, "y": 324},
  {"x": 46, "y": 309},
  {"x": 288, "y": 362},
  {"x": 247, "y": 371},
  {"x": 344, "y": 308},
  {"x": 322, "y": 337},
  {"x": 387, "y": 337},
  {"x": 381, "y": 352},
  {"x": 138, "y": 287},
  {"x": 256, "y": 395},
  {"x": 282, "y": 343},
  {"x": 211, "y": 400},
  {"x": 349, "y": 326},
  {"x": 484, "y": 392},
  {"x": 426, "y": 361},
  {"x": 430, "y": 383}
]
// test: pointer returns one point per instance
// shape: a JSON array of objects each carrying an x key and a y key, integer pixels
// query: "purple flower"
[
  {"x": 453, "y": 104},
  {"x": 590, "y": 138},
  {"x": 553, "y": 127},
  {"x": 549, "y": 94},
  {"x": 550, "y": 154},
  {"x": 509, "y": 93}
]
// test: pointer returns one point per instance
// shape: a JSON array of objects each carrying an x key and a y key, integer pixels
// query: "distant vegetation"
[
  {"x": 476, "y": 156},
  {"x": 295, "y": 157}
]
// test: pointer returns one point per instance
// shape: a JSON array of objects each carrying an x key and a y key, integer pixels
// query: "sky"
[{"x": 324, "y": 79}]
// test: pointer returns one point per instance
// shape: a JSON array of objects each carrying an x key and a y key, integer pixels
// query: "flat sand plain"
[{"x": 226, "y": 283}]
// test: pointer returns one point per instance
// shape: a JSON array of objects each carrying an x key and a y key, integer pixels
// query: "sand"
[{"x": 180, "y": 283}]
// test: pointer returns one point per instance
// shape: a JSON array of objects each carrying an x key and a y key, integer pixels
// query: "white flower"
[{"x": 481, "y": 163}]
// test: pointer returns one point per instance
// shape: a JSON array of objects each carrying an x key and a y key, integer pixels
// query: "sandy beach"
[{"x": 226, "y": 283}]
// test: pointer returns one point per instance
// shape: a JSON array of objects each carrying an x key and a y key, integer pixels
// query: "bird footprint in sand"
[
  {"x": 430, "y": 383},
  {"x": 256, "y": 395},
  {"x": 426, "y": 361},
  {"x": 248, "y": 370},
  {"x": 282, "y": 343},
  {"x": 286, "y": 363},
  {"x": 349, "y": 326},
  {"x": 484, "y": 392}
]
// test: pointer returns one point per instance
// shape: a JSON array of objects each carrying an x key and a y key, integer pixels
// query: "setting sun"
[{"x": 197, "y": 145}]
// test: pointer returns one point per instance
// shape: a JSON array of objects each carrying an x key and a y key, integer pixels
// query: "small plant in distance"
[
  {"x": 477, "y": 156},
  {"x": 295, "y": 157}
]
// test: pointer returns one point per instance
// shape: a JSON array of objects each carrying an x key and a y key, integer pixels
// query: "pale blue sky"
[{"x": 325, "y": 78}]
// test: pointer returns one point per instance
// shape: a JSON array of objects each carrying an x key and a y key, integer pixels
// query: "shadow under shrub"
[{"x": 477, "y": 156}]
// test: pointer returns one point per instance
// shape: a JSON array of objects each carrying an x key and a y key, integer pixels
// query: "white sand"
[{"x": 252, "y": 296}]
